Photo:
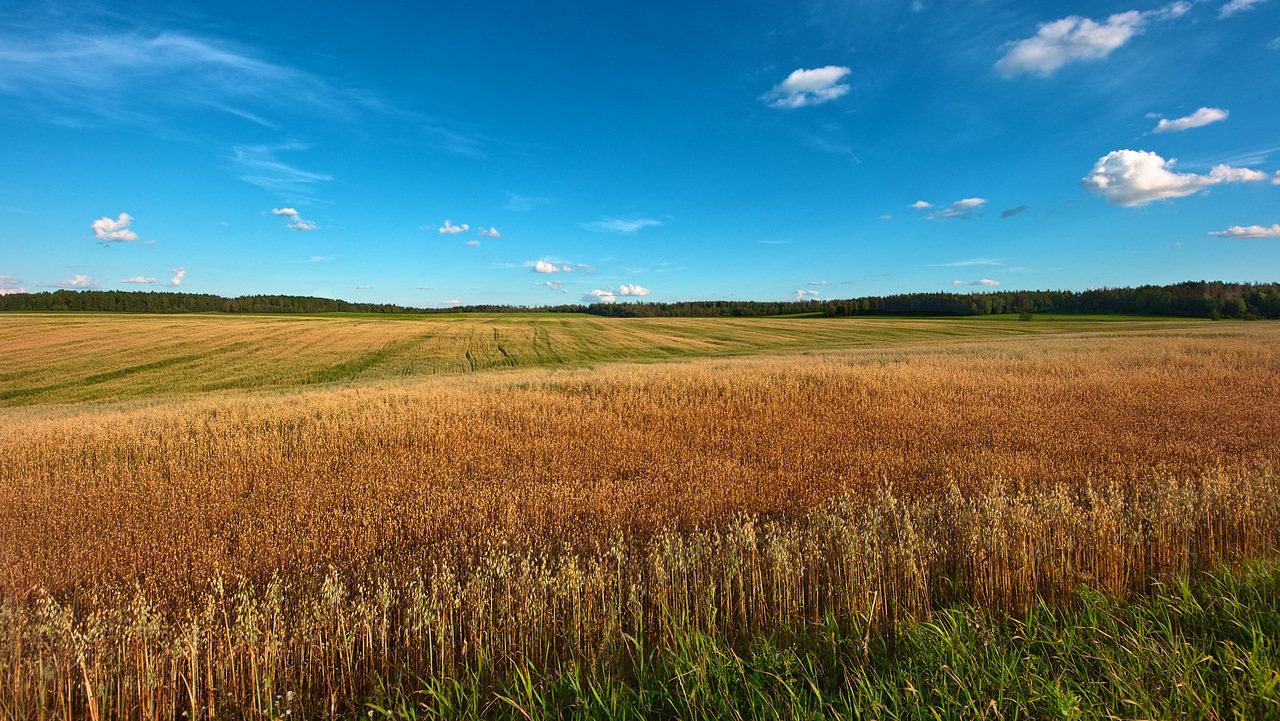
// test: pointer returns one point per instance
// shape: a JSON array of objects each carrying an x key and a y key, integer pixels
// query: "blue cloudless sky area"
[{"x": 559, "y": 152}]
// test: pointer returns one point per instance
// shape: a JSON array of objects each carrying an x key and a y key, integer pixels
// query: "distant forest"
[{"x": 1192, "y": 299}]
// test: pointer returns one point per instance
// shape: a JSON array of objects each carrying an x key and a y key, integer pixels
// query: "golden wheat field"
[{"x": 202, "y": 516}]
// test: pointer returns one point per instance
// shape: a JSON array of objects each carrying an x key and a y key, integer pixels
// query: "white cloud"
[
  {"x": 808, "y": 87},
  {"x": 599, "y": 296},
  {"x": 1137, "y": 177},
  {"x": 1201, "y": 117},
  {"x": 617, "y": 225},
  {"x": 490, "y": 232},
  {"x": 260, "y": 166},
  {"x": 971, "y": 261},
  {"x": 960, "y": 210},
  {"x": 1237, "y": 6},
  {"x": 921, "y": 205},
  {"x": 522, "y": 203},
  {"x": 114, "y": 231},
  {"x": 451, "y": 229},
  {"x": 817, "y": 282},
  {"x": 1076, "y": 39},
  {"x": 804, "y": 293},
  {"x": 543, "y": 266},
  {"x": 1276, "y": 180},
  {"x": 423, "y": 287},
  {"x": 885, "y": 217},
  {"x": 473, "y": 243},
  {"x": 635, "y": 290},
  {"x": 139, "y": 279},
  {"x": 980, "y": 281},
  {"x": 555, "y": 285},
  {"x": 178, "y": 274},
  {"x": 76, "y": 281},
  {"x": 364, "y": 287},
  {"x": 10, "y": 285},
  {"x": 1274, "y": 44},
  {"x": 295, "y": 221},
  {"x": 453, "y": 301},
  {"x": 1250, "y": 231}
]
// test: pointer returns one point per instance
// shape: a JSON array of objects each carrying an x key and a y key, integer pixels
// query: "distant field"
[{"x": 66, "y": 357}]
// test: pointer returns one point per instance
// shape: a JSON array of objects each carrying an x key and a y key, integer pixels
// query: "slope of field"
[
  {"x": 206, "y": 554},
  {"x": 70, "y": 357}
]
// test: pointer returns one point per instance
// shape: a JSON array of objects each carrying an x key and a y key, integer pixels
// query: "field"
[{"x": 206, "y": 516}]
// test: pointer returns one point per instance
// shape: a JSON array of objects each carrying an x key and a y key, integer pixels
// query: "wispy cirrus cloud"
[
  {"x": 620, "y": 225},
  {"x": 258, "y": 164}
]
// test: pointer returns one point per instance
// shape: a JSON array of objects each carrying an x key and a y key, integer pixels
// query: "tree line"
[{"x": 1191, "y": 299}]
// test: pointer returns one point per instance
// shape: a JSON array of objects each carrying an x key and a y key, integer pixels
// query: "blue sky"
[{"x": 553, "y": 152}]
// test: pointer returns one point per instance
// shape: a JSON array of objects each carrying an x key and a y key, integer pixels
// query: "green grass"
[
  {"x": 78, "y": 357},
  {"x": 1208, "y": 648}
]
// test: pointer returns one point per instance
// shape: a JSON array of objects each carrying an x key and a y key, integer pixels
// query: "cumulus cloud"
[
  {"x": 114, "y": 231},
  {"x": 1136, "y": 177},
  {"x": 295, "y": 221},
  {"x": 634, "y": 290},
  {"x": 1249, "y": 231},
  {"x": 959, "y": 210},
  {"x": 490, "y": 232},
  {"x": 10, "y": 285},
  {"x": 543, "y": 266},
  {"x": 808, "y": 87},
  {"x": 451, "y": 229},
  {"x": 76, "y": 281},
  {"x": 619, "y": 225},
  {"x": 599, "y": 296},
  {"x": 453, "y": 302},
  {"x": 178, "y": 274},
  {"x": 1009, "y": 213},
  {"x": 921, "y": 205},
  {"x": 473, "y": 243},
  {"x": 1201, "y": 117},
  {"x": 1237, "y": 6},
  {"x": 143, "y": 280},
  {"x": 980, "y": 281},
  {"x": 1078, "y": 39},
  {"x": 555, "y": 285},
  {"x": 806, "y": 293}
]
